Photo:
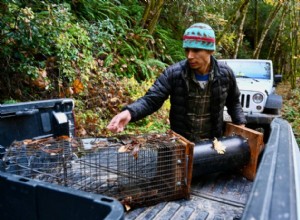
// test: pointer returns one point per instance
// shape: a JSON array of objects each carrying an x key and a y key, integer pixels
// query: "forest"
[{"x": 106, "y": 53}]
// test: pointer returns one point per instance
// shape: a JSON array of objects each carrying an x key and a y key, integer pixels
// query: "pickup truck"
[
  {"x": 257, "y": 83},
  {"x": 273, "y": 194}
]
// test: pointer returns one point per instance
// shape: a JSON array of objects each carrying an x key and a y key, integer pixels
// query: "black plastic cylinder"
[{"x": 207, "y": 160}]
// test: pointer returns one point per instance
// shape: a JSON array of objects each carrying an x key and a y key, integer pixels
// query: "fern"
[
  {"x": 148, "y": 68},
  {"x": 99, "y": 9},
  {"x": 127, "y": 49},
  {"x": 109, "y": 60},
  {"x": 156, "y": 63},
  {"x": 169, "y": 46}
]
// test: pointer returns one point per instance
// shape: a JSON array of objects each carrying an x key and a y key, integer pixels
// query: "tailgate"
[{"x": 36, "y": 119}]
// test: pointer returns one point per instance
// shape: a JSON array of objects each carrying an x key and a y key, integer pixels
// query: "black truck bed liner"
[{"x": 216, "y": 196}]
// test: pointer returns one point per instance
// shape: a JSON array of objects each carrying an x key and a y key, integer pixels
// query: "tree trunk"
[
  {"x": 294, "y": 15},
  {"x": 151, "y": 14},
  {"x": 275, "y": 42},
  {"x": 256, "y": 24},
  {"x": 233, "y": 19},
  {"x": 266, "y": 29},
  {"x": 241, "y": 33}
]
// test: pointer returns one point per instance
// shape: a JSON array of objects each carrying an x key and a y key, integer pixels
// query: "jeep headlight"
[{"x": 257, "y": 98}]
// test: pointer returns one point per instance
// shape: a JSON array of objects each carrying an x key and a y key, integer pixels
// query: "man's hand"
[{"x": 118, "y": 123}]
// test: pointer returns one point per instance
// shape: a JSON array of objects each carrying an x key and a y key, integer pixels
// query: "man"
[{"x": 199, "y": 87}]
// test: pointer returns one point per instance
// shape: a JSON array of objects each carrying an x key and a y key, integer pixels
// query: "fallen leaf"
[
  {"x": 135, "y": 151},
  {"x": 113, "y": 100},
  {"x": 149, "y": 124},
  {"x": 123, "y": 149},
  {"x": 218, "y": 146},
  {"x": 70, "y": 91},
  {"x": 81, "y": 131},
  {"x": 127, "y": 207},
  {"x": 52, "y": 151},
  {"x": 27, "y": 141},
  {"x": 63, "y": 137},
  {"x": 41, "y": 81},
  {"x": 77, "y": 86}
]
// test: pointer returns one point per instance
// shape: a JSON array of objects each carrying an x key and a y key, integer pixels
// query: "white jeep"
[{"x": 256, "y": 81}]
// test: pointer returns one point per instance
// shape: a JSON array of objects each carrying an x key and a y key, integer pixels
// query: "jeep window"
[{"x": 248, "y": 69}]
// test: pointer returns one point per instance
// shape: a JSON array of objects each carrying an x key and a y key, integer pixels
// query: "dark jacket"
[{"x": 172, "y": 82}]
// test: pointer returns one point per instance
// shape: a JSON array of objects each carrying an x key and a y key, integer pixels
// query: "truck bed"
[{"x": 215, "y": 196}]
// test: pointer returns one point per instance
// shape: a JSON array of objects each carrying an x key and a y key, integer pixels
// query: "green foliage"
[
  {"x": 45, "y": 38},
  {"x": 135, "y": 9},
  {"x": 11, "y": 101},
  {"x": 124, "y": 50},
  {"x": 99, "y": 9},
  {"x": 16, "y": 31},
  {"x": 185, "y": 13},
  {"x": 291, "y": 107},
  {"x": 157, "y": 122},
  {"x": 47, "y": 46},
  {"x": 168, "y": 49},
  {"x": 107, "y": 95},
  {"x": 149, "y": 124},
  {"x": 46, "y": 41}
]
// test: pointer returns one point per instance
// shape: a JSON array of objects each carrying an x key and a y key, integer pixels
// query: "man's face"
[{"x": 198, "y": 58}]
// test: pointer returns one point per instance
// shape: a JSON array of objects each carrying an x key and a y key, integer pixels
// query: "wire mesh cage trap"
[{"x": 137, "y": 170}]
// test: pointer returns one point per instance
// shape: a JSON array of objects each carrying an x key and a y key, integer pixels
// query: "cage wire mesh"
[{"x": 136, "y": 170}]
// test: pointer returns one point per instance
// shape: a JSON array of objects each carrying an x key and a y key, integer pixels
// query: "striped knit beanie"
[{"x": 200, "y": 36}]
